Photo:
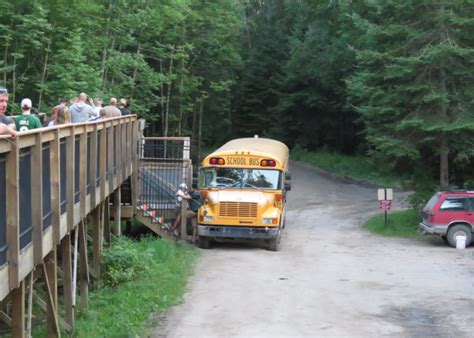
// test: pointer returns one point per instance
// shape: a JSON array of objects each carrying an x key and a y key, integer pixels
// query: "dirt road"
[{"x": 330, "y": 278}]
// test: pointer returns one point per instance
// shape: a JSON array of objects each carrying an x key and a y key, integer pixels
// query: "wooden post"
[
  {"x": 37, "y": 199},
  {"x": 134, "y": 159},
  {"x": 83, "y": 172},
  {"x": 67, "y": 279},
  {"x": 51, "y": 282},
  {"x": 93, "y": 167},
  {"x": 55, "y": 187},
  {"x": 70, "y": 174},
  {"x": 29, "y": 314},
  {"x": 106, "y": 207},
  {"x": 13, "y": 217},
  {"x": 110, "y": 159},
  {"x": 84, "y": 265},
  {"x": 18, "y": 311},
  {"x": 184, "y": 220},
  {"x": 117, "y": 216},
  {"x": 103, "y": 161},
  {"x": 96, "y": 238}
]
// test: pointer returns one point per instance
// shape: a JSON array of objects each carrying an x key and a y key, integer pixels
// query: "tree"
[{"x": 414, "y": 81}]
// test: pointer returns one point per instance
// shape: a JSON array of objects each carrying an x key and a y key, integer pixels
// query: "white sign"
[{"x": 385, "y": 194}]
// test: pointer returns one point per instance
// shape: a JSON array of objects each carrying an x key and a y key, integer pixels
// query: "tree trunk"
[
  {"x": 162, "y": 103},
  {"x": 44, "y": 74},
  {"x": 168, "y": 94},
  {"x": 201, "y": 111},
  {"x": 135, "y": 71},
  {"x": 443, "y": 115}
]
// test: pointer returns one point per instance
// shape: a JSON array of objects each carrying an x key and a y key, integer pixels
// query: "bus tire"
[
  {"x": 273, "y": 244},
  {"x": 204, "y": 242}
]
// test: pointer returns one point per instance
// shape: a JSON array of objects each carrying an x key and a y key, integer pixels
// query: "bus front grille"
[{"x": 238, "y": 209}]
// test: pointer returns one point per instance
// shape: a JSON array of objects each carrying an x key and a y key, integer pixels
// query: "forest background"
[{"x": 389, "y": 80}]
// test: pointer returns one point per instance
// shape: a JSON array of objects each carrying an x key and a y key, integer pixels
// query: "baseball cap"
[
  {"x": 183, "y": 185},
  {"x": 26, "y": 103}
]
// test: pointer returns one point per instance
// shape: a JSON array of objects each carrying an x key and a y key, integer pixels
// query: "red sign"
[{"x": 385, "y": 205}]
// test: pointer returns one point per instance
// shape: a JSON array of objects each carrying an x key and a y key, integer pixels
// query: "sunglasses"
[{"x": 3, "y": 90}]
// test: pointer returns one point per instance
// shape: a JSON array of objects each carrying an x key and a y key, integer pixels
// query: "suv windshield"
[{"x": 240, "y": 178}]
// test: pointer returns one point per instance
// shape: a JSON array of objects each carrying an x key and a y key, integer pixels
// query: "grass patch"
[
  {"x": 356, "y": 167},
  {"x": 399, "y": 224},
  {"x": 159, "y": 283}
]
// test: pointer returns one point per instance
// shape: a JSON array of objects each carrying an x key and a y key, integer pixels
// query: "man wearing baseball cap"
[{"x": 26, "y": 121}]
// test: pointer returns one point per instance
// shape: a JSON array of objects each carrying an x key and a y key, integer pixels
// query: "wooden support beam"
[
  {"x": 18, "y": 311},
  {"x": 117, "y": 216},
  {"x": 55, "y": 187},
  {"x": 53, "y": 326},
  {"x": 29, "y": 316},
  {"x": 67, "y": 279},
  {"x": 96, "y": 238},
  {"x": 70, "y": 174},
  {"x": 84, "y": 265},
  {"x": 13, "y": 214},
  {"x": 106, "y": 227},
  {"x": 126, "y": 211},
  {"x": 5, "y": 318},
  {"x": 37, "y": 199},
  {"x": 44, "y": 306},
  {"x": 51, "y": 283}
]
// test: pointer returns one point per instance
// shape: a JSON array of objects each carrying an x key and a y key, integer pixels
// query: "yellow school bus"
[{"x": 244, "y": 185}]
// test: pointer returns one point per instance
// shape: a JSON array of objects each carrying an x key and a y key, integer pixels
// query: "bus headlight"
[
  {"x": 208, "y": 219},
  {"x": 269, "y": 220}
]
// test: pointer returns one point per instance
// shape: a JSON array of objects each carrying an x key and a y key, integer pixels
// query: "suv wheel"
[{"x": 459, "y": 230}]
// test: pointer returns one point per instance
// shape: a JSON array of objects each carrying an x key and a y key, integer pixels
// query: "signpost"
[{"x": 385, "y": 197}]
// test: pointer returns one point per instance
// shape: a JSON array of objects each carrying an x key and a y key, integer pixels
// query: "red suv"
[{"x": 449, "y": 214}]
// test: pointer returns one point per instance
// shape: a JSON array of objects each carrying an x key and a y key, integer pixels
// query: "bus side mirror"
[
  {"x": 288, "y": 176},
  {"x": 196, "y": 173},
  {"x": 287, "y": 186}
]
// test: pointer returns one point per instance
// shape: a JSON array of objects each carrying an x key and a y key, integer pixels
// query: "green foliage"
[
  {"x": 412, "y": 83},
  {"x": 121, "y": 262},
  {"x": 159, "y": 283},
  {"x": 399, "y": 224}
]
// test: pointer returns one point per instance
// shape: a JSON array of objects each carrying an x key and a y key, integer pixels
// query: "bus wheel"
[
  {"x": 204, "y": 242},
  {"x": 273, "y": 244}
]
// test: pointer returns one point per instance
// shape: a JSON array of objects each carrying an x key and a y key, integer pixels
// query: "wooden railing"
[{"x": 51, "y": 180}]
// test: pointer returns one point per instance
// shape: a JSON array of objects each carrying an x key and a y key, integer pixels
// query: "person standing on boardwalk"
[
  {"x": 81, "y": 111},
  {"x": 27, "y": 121},
  {"x": 7, "y": 125}
]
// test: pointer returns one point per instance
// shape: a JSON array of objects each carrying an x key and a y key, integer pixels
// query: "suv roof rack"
[{"x": 460, "y": 190}]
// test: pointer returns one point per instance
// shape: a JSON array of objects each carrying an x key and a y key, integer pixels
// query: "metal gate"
[{"x": 164, "y": 164}]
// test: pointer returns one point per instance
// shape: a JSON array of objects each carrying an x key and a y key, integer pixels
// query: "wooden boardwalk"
[{"x": 53, "y": 181}]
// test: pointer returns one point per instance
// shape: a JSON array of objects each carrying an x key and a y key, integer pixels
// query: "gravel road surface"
[{"x": 331, "y": 278}]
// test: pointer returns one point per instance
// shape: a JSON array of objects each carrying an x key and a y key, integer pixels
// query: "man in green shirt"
[{"x": 26, "y": 121}]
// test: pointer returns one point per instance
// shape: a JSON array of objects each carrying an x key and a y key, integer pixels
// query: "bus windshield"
[{"x": 240, "y": 178}]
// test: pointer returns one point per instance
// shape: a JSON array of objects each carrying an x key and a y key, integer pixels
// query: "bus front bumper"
[{"x": 238, "y": 232}]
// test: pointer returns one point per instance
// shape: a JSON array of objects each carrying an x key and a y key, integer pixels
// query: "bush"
[{"x": 121, "y": 262}]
